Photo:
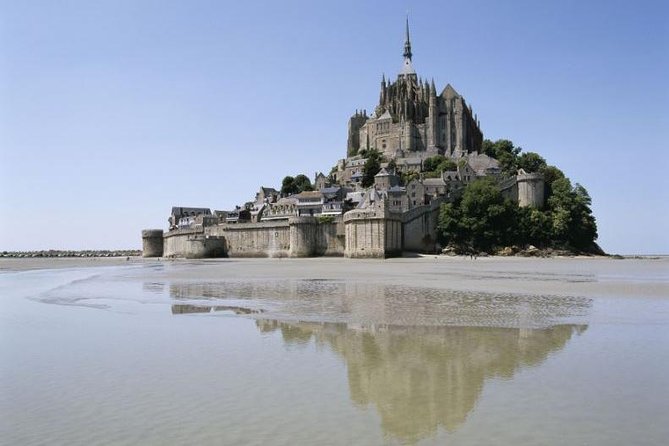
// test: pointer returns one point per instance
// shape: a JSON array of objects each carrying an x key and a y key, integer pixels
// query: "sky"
[{"x": 112, "y": 112}]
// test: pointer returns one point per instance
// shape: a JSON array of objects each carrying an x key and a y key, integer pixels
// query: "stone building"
[
  {"x": 398, "y": 213},
  {"x": 412, "y": 118}
]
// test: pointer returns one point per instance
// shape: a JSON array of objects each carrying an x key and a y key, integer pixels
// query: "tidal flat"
[{"x": 426, "y": 350}]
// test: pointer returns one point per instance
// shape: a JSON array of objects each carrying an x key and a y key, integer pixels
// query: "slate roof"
[
  {"x": 480, "y": 162},
  {"x": 330, "y": 190}
]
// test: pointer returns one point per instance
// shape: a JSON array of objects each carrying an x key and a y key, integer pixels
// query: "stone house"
[
  {"x": 415, "y": 193},
  {"x": 385, "y": 180}
]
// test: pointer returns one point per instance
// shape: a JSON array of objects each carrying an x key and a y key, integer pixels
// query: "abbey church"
[
  {"x": 381, "y": 200},
  {"x": 412, "y": 120}
]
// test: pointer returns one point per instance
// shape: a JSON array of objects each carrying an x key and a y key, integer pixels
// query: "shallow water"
[{"x": 280, "y": 352}]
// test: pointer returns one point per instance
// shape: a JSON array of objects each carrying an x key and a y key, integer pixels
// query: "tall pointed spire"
[
  {"x": 407, "y": 69},
  {"x": 407, "y": 42}
]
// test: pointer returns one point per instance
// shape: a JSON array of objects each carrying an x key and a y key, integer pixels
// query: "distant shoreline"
[{"x": 65, "y": 253}]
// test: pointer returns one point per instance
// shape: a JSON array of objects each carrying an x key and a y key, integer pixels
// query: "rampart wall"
[
  {"x": 297, "y": 237},
  {"x": 152, "y": 243},
  {"x": 192, "y": 244},
  {"x": 526, "y": 189},
  {"x": 373, "y": 233},
  {"x": 420, "y": 228},
  {"x": 265, "y": 239}
]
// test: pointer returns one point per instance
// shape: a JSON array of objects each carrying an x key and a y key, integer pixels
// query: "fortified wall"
[
  {"x": 374, "y": 232},
  {"x": 525, "y": 188},
  {"x": 296, "y": 237}
]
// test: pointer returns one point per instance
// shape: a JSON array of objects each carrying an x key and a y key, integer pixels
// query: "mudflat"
[{"x": 424, "y": 350}]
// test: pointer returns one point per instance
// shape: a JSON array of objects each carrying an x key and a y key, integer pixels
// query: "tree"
[
  {"x": 409, "y": 176},
  {"x": 372, "y": 167},
  {"x": 481, "y": 220},
  {"x": 438, "y": 164},
  {"x": 533, "y": 227},
  {"x": 551, "y": 173},
  {"x": 295, "y": 185},
  {"x": 450, "y": 231},
  {"x": 571, "y": 217},
  {"x": 531, "y": 162},
  {"x": 288, "y": 186},
  {"x": 503, "y": 151},
  {"x": 303, "y": 183},
  {"x": 430, "y": 164}
]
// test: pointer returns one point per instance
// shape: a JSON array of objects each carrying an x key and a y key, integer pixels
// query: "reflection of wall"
[
  {"x": 420, "y": 378},
  {"x": 368, "y": 303}
]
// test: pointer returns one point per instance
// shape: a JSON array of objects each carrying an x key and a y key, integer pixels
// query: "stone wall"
[
  {"x": 311, "y": 237},
  {"x": 192, "y": 244},
  {"x": 152, "y": 243},
  {"x": 373, "y": 233},
  {"x": 364, "y": 233},
  {"x": 420, "y": 228},
  {"x": 268, "y": 239},
  {"x": 530, "y": 190},
  {"x": 527, "y": 189}
]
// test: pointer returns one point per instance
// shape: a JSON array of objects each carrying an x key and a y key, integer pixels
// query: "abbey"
[
  {"x": 412, "y": 119},
  {"x": 417, "y": 151}
]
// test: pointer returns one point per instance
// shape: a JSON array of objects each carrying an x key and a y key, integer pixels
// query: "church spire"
[
  {"x": 407, "y": 70},
  {"x": 407, "y": 43}
]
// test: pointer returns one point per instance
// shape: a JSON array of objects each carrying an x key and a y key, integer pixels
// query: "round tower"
[
  {"x": 530, "y": 189},
  {"x": 152, "y": 243}
]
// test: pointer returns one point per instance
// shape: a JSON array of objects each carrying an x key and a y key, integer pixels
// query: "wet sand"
[
  {"x": 418, "y": 350},
  {"x": 33, "y": 263},
  {"x": 582, "y": 276},
  {"x": 560, "y": 276}
]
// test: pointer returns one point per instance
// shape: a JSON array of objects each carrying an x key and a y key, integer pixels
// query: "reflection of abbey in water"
[
  {"x": 423, "y": 378},
  {"x": 366, "y": 304}
]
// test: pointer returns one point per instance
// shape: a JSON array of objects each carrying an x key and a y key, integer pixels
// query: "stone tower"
[{"x": 411, "y": 117}]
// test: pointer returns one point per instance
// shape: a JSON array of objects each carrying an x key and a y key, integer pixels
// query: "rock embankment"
[
  {"x": 525, "y": 251},
  {"x": 61, "y": 253}
]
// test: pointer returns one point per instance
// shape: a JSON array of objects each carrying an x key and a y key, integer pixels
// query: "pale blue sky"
[{"x": 111, "y": 112}]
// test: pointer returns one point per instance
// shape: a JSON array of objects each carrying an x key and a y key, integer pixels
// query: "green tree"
[
  {"x": 438, "y": 164},
  {"x": 294, "y": 185},
  {"x": 447, "y": 164},
  {"x": 551, "y": 173},
  {"x": 430, "y": 164},
  {"x": 531, "y": 162},
  {"x": 482, "y": 220},
  {"x": 303, "y": 183},
  {"x": 372, "y": 167},
  {"x": 409, "y": 176},
  {"x": 288, "y": 186},
  {"x": 503, "y": 151},
  {"x": 450, "y": 229},
  {"x": 533, "y": 227},
  {"x": 572, "y": 222}
]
